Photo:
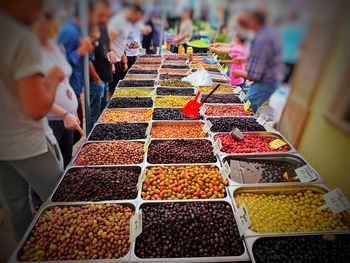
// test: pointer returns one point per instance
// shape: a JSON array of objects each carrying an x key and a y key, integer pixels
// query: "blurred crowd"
[{"x": 42, "y": 80}]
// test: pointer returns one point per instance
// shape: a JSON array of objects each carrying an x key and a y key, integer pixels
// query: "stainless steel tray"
[
  {"x": 251, "y": 240},
  {"x": 240, "y": 117},
  {"x": 144, "y": 76},
  {"x": 100, "y": 124},
  {"x": 43, "y": 208},
  {"x": 225, "y": 105},
  {"x": 242, "y": 258},
  {"x": 264, "y": 134},
  {"x": 147, "y": 88},
  {"x": 123, "y": 109},
  {"x": 136, "y": 168},
  {"x": 72, "y": 163},
  {"x": 146, "y": 163},
  {"x": 292, "y": 158},
  {"x": 140, "y": 199},
  {"x": 176, "y": 123},
  {"x": 278, "y": 188},
  {"x": 161, "y": 96}
]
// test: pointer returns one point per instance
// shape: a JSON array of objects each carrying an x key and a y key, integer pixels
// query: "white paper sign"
[
  {"x": 226, "y": 170},
  {"x": 141, "y": 179},
  {"x": 237, "y": 134},
  {"x": 146, "y": 145},
  {"x": 148, "y": 130},
  {"x": 306, "y": 173},
  {"x": 206, "y": 128},
  {"x": 196, "y": 89},
  {"x": 135, "y": 226},
  {"x": 209, "y": 124},
  {"x": 243, "y": 219},
  {"x": 217, "y": 146},
  {"x": 241, "y": 95},
  {"x": 336, "y": 201},
  {"x": 203, "y": 109},
  {"x": 262, "y": 119},
  {"x": 237, "y": 90}
]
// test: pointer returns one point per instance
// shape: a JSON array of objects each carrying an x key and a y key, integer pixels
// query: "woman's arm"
[{"x": 70, "y": 120}]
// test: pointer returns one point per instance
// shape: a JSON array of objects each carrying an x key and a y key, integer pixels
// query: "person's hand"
[
  {"x": 112, "y": 55},
  {"x": 55, "y": 74},
  {"x": 237, "y": 73},
  {"x": 125, "y": 66},
  {"x": 238, "y": 60},
  {"x": 85, "y": 46},
  {"x": 72, "y": 122}
]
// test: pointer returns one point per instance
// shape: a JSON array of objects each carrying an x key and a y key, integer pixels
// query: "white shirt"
[
  {"x": 21, "y": 137},
  {"x": 65, "y": 96},
  {"x": 121, "y": 27},
  {"x": 186, "y": 28},
  {"x": 134, "y": 35}
]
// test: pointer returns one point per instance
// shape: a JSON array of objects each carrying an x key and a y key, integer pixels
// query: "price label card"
[
  {"x": 206, "y": 128},
  {"x": 196, "y": 89},
  {"x": 237, "y": 90},
  {"x": 141, "y": 179},
  {"x": 226, "y": 170},
  {"x": 217, "y": 146},
  {"x": 337, "y": 201},
  {"x": 135, "y": 226},
  {"x": 306, "y": 173},
  {"x": 278, "y": 143},
  {"x": 246, "y": 105},
  {"x": 148, "y": 130},
  {"x": 241, "y": 95},
  {"x": 146, "y": 145},
  {"x": 209, "y": 124},
  {"x": 243, "y": 219},
  {"x": 203, "y": 109},
  {"x": 262, "y": 119},
  {"x": 237, "y": 134}
]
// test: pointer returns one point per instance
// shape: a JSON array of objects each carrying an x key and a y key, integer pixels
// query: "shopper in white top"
[
  {"x": 185, "y": 28},
  {"x": 26, "y": 96},
  {"x": 63, "y": 115},
  {"x": 119, "y": 28}
]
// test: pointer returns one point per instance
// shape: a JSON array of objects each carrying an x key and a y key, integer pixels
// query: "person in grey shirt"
[{"x": 27, "y": 156}]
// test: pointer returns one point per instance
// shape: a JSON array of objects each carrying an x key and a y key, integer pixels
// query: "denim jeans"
[
  {"x": 96, "y": 95},
  {"x": 259, "y": 92}
]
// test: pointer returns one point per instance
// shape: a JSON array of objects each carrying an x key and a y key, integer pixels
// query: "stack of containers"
[{"x": 145, "y": 157}]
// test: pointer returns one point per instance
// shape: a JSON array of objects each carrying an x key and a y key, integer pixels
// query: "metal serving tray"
[
  {"x": 280, "y": 188},
  {"x": 140, "y": 199},
  {"x": 136, "y": 168},
  {"x": 116, "y": 123},
  {"x": 72, "y": 163},
  {"x": 43, "y": 208},
  {"x": 117, "y": 97},
  {"x": 123, "y": 109},
  {"x": 182, "y": 71},
  {"x": 147, "y": 88},
  {"x": 177, "y": 88},
  {"x": 175, "y": 123},
  {"x": 291, "y": 158},
  {"x": 241, "y": 258},
  {"x": 251, "y": 240},
  {"x": 146, "y": 163},
  {"x": 224, "y": 105},
  {"x": 143, "y": 76},
  {"x": 161, "y": 96},
  {"x": 263, "y": 134},
  {"x": 240, "y": 117}
]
